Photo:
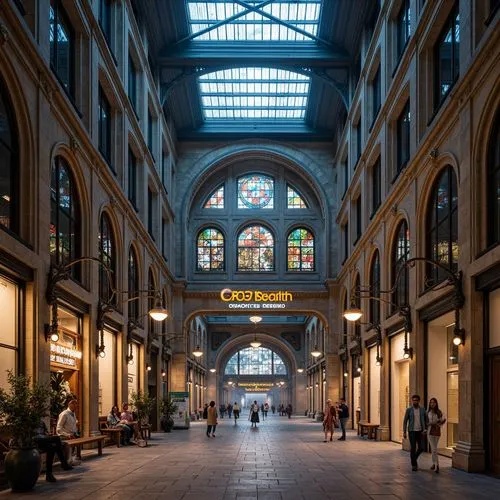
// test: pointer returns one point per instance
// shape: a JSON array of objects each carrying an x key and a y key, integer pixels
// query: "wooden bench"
[
  {"x": 79, "y": 442},
  {"x": 367, "y": 429},
  {"x": 113, "y": 433}
]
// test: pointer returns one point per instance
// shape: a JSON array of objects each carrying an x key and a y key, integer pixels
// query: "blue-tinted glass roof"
[
  {"x": 254, "y": 93},
  {"x": 259, "y": 25}
]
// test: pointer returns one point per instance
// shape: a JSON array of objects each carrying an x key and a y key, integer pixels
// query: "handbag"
[{"x": 435, "y": 430}]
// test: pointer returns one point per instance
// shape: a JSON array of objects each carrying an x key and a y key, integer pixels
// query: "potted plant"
[
  {"x": 167, "y": 409},
  {"x": 60, "y": 394},
  {"x": 143, "y": 404},
  {"x": 21, "y": 410}
]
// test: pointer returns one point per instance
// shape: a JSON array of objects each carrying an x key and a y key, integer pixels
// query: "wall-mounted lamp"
[
  {"x": 51, "y": 334},
  {"x": 316, "y": 353},
  {"x": 148, "y": 367},
  {"x": 158, "y": 312},
  {"x": 196, "y": 385},
  {"x": 458, "y": 336},
  {"x": 100, "y": 350},
  {"x": 129, "y": 358},
  {"x": 212, "y": 370},
  {"x": 378, "y": 360},
  {"x": 300, "y": 370},
  {"x": 346, "y": 374},
  {"x": 407, "y": 351},
  {"x": 163, "y": 373},
  {"x": 197, "y": 353}
]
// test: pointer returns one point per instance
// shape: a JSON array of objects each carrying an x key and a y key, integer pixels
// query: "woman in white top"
[{"x": 436, "y": 420}]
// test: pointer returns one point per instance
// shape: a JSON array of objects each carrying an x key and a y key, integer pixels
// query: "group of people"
[
  {"x": 335, "y": 416},
  {"x": 285, "y": 410}
]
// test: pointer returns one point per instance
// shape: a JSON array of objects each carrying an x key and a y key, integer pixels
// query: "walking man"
[
  {"x": 343, "y": 417},
  {"x": 416, "y": 422}
]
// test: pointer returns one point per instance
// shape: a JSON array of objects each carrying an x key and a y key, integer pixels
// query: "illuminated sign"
[
  {"x": 64, "y": 355},
  {"x": 255, "y": 299}
]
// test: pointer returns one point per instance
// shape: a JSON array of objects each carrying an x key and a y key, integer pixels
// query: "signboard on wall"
[
  {"x": 181, "y": 416},
  {"x": 255, "y": 299}
]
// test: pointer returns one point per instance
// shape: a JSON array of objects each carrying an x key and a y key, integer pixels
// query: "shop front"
[
  {"x": 399, "y": 385},
  {"x": 108, "y": 372},
  {"x": 133, "y": 373},
  {"x": 442, "y": 376},
  {"x": 356, "y": 389},
  {"x": 374, "y": 382}
]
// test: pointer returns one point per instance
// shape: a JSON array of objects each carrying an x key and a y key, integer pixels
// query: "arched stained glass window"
[
  {"x": 493, "y": 184},
  {"x": 375, "y": 289},
  {"x": 442, "y": 226},
  {"x": 300, "y": 250},
  {"x": 210, "y": 250},
  {"x": 255, "y": 249},
  {"x": 216, "y": 199},
  {"x": 400, "y": 254},
  {"x": 256, "y": 191},
  {"x": 107, "y": 254},
  {"x": 294, "y": 200},
  {"x": 133, "y": 284},
  {"x": 65, "y": 239},
  {"x": 259, "y": 361},
  {"x": 9, "y": 163}
]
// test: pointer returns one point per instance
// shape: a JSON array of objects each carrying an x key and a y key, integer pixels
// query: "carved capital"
[{"x": 4, "y": 34}]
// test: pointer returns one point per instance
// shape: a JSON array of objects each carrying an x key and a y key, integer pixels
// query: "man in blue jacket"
[{"x": 416, "y": 421}]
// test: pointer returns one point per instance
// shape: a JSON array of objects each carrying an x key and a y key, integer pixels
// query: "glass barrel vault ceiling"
[
  {"x": 259, "y": 23},
  {"x": 254, "y": 93}
]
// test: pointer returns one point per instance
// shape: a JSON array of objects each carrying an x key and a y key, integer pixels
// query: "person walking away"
[
  {"x": 114, "y": 422},
  {"x": 329, "y": 419},
  {"x": 222, "y": 410},
  {"x": 205, "y": 411},
  {"x": 436, "y": 419},
  {"x": 273, "y": 409},
  {"x": 67, "y": 428},
  {"x": 236, "y": 411},
  {"x": 229, "y": 410},
  {"x": 52, "y": 445},
  {"x": 266, "y": 409},
  {"x": 254, "y": 414},
  {"x": 289, "y": 410},
  {"x": 211, "y": 419},
  {"x": 262, "y": 410},
  {"x": 416, "y": 422},
  {"x": 343, "y": 417}
]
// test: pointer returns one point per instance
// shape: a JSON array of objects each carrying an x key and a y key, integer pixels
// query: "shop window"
[
  {"x": 9, "y": 333},
  {"x": 62, "y": 45},
  {"x": 447, "y": 58},
  {"x": 403, "y": 138},
  {"x": 376, "y": 186},
  {"x": 493, "y": 184},
  {"x": 399, "y": 272},
  {"x": 442, "y": 226},
  {"x": 133, "y": 284},
  {"x": 375, "y": 289},
  {"x": 256, "y": 191},
  {"x": 294, "y": 200},
  {"x": 132, "y": 370},
  {"x": 210, "y": 250},
  {"x": 65, "y": 234},
  {"x": 300, "y": 250},
  {"x": 107, "y": 374},
  {"x": 107, "y": 255},
  {"x": 216, "y": 199},
  {"x": 9, "y": 163},
  {"x": 104, "y": 126},
  {"x": 255, "y": 249}
]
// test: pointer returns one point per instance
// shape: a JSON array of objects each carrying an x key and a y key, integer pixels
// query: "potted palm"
[
  {"x": 167, "y": 409},
  {"x": 21, "y": 409}
]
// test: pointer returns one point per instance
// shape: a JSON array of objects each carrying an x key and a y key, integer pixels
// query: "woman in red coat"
[{"x": 329, "y": 420}]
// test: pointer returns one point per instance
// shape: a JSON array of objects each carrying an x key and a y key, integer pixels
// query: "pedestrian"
[
  {"x": 229, "y": 410},
  {"x": 254, "y": 414},
  {"x": 262, "y": 411},
  {"x": 273, "y": 409},
  {"x": 266, "y": 409},
  {"x": 205, "y": 411},
  {"x": 211, "y": 419},
  {"x": 436, "y": 419},
  {"x": 416, "y": 422},
  {"x": 222, "y": 410},
  {"x": 236, "y": 411},
  {"x": 343, "y": 417},
  {"x": 289, "y": 410},
  {"x": 329, "y": 420}
]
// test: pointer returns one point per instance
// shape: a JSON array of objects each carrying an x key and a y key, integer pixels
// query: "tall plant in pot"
[
  {"x": 167, "y": 409},
  {"x": 143, "y": 404},
  {"x": 21, "y": 409}
]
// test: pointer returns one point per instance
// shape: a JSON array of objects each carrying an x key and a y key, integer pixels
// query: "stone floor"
[{"x": 281, "y": 459}]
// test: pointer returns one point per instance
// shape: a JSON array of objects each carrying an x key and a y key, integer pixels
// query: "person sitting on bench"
[
  {"x": 67, "y": 427},
  {"x": 115, "y": 422},
  {"x": 128, "y": 419},
  {"x": 51, "y": 445}
]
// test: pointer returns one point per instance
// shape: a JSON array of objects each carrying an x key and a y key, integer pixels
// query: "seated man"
[
  {"x": 51, "y": 445},
  {"x": 128, "y": 419},
  {"x": 67, "y": 427}
]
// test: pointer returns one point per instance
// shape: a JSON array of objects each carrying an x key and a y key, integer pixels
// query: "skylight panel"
[
  {"x": 254, "y": 94},
  {"x": 260, "y": 25}
]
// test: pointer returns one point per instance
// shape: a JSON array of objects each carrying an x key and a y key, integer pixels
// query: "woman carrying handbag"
[{"x": 436, "y": 420}]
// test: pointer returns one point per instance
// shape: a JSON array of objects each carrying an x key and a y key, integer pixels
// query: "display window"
[
  {"x": 107, "y": 373},
  {"x": 374, "y": 414},
  {"x": 132, "y": 370},
  {"x": 400, "y": 386},
  {"x": 9, "y": 333}
]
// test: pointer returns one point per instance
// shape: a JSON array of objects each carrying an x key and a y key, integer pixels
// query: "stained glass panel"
[
  {"x": 300, "y": 250},
  {"x": 256, "y": 191},
  {"x": 255, "y": 249},
  {"x": 216, "y": 199},
  {"x": 210, "y": 250},
  {"x": 294, "y": 199}
]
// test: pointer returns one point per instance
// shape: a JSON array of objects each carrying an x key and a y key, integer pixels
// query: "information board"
[{"x": 181, "y": 416}]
